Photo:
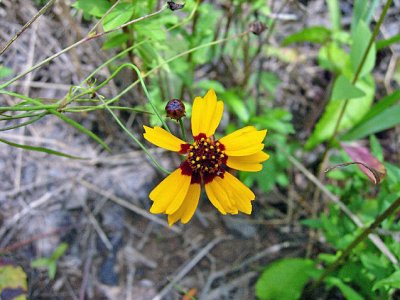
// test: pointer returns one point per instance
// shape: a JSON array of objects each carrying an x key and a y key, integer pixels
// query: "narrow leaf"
[
  {"x": 80, "y": 128},
  {"x": 39, "y": 149}
]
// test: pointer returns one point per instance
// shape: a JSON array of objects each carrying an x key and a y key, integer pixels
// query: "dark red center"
[{"x": 205, "y": 159}]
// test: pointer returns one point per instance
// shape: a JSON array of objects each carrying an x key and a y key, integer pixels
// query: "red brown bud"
[{"x": 175, "y": 109}]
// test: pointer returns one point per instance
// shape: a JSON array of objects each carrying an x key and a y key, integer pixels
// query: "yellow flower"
[{"x": 206, "y": 161}]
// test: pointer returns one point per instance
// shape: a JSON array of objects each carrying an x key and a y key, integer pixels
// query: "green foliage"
[
  {"x": 51, "y": 262},
  {"x": 316, "y": 34},
  {"x": 284, "y": 279}
]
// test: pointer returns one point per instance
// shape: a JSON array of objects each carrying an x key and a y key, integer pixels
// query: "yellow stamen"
[
  {"x": 198, "y": 166},
  {"x": 197, "y": 158},
  {"x": 203, "y": 157},
  {"x": 193, "y": 162}
]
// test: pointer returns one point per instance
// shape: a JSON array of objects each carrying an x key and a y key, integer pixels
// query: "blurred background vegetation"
[{"x": 79, "y": 79}]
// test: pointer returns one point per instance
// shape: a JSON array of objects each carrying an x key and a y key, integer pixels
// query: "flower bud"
[
  {"x": 174, "y": 6},
  {"x": 175, "y": 109},
  {"x": 257, "y": 27}
]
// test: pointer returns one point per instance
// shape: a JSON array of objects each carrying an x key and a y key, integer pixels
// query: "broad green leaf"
[
  {"x": 383, "y": 115},
  {"x": 115, "y": 41},
  {"x": 392, "y": 281},
  {"x": 312, "y": 223},
  {"x": 13, "y": 284},
  {"x": 363, "y": 11},
  {"x": 316, "y": 34},
  {"x": 355, "y": 111},
  {"x": 361, "y": 36},
  {"x": 334, "y": 58},
  {"x": 343, "y": 89},
  {"x": 95, "y": 8},
  {"x": 348, "y": 292},
  {"x": 120, "y": 15},
  {"x": 39, "y": 149},
  {"x": 237, "y": 104},
  {"x": 284, "y": 279}
]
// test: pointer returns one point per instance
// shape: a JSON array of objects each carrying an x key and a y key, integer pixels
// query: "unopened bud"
[
  {"x": 257, "y": 27},
  {"x": 175, "y": 109},
  {"x": 174, "y": 6}
]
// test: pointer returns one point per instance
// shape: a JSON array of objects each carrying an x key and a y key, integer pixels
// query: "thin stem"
[
  {"x": 153, "y": 160},
  {"x": 165, "y": 62},
  {"x": 26, "y": 26},
  {"x": 182, "y": 129},
  {"x": 360, "y": 66},
  {"x": 361, "y": 237},
  {"x": 85, "y": 39}
]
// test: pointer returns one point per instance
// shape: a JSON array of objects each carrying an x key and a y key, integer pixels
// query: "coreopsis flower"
[{"x": 206, "y": 162}]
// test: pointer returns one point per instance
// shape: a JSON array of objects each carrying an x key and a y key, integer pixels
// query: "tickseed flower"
[{"x": 206, "y": 163}]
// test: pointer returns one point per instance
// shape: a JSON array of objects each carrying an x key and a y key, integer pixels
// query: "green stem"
[
  {"x": 360, "y": 66},
  {"x": 153, "y": 160},
  {"x": 361, "y": 237},
  {"x": 182, "y": 129}
]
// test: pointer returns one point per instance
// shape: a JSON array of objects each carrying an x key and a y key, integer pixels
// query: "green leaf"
[
  {"x": 343, "y": 89},
  {"x": 4, "y": 71},
  {"x": 115, "y": 41},
  {"x": 39, "y": 149},
  {"x": 383, "y": 115},
  {"x": 284, "y": 279},
  {"x": 361, "y": 37},
  {"x": 206, "y": 84},
  {"x": 363, "y": 11},
  {"x": 237, "y": 104},
  {"x": 59, "y": 251},
  {"x": 312, "y": 223},
  {"x": 52, "y": 270},
  {"x": 40, "y": 262},
  {"x": 120, "y": 15},
  {"x": 348, "y": 292},
  {"x": 387, "y": 42},
  {"x": 334, "y": 58},
  {"x": 355, "y": 111},
  {"x": 316, "y": 34},
  {"x": 334, "y": 13},
  {"x": 392, "y": 281},
  {"x": 95, "y": 8}
]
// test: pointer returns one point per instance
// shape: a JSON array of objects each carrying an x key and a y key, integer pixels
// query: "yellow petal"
[
  {"x": 169, "y": 193},
  {"x": 212, "y": 195},
  {"x": 238, "y": 192},
  {"x": 188, "y": 207},
  {"x": 206, "y": 114},
  {"x": 219, "y": 196},
  {"x": 162, "y": 138},
  {"x": 245, "y": 141},
  {"x": 250, "y": 163}
]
